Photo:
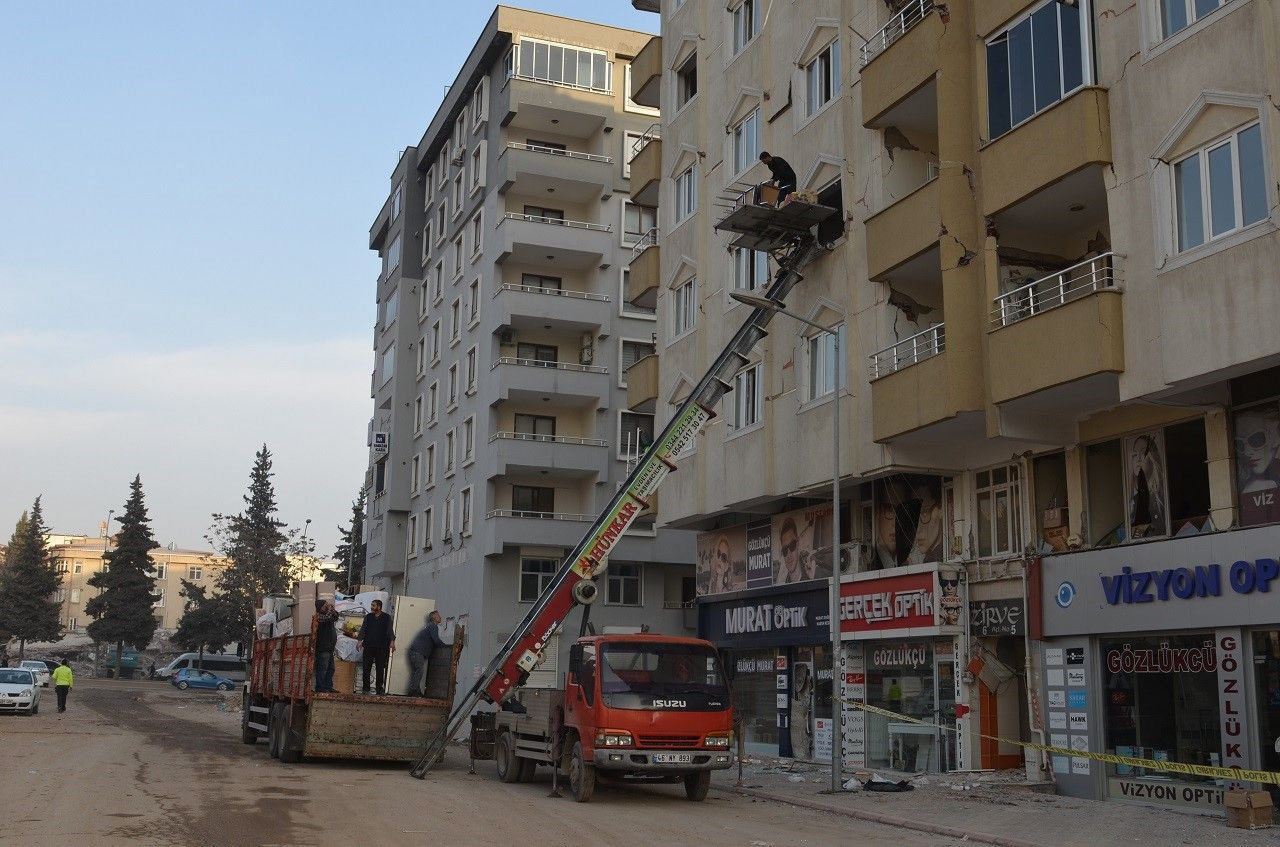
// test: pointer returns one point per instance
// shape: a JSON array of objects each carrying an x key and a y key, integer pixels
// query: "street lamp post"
[{"x": 833, "y": 589}]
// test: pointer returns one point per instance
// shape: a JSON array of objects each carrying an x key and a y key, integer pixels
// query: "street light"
[{"x": 837, "y": 735}]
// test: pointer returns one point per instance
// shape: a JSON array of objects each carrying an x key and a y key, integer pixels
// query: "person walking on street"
[
  {"x": 326, "y": 642},
  {"x": 377, "y": 642},
  {"x": 62, "y": 680},
  {"x": 420, "y": 654}
]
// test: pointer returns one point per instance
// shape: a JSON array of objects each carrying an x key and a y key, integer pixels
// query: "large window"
[
  {"x": 687, "y": 81},
  {"x": 635, "y": 433},
  {"x": 624, "y": 584},
  {"x": 746, "y": 24},
  {"x": 391, "y": 259},
  {"x": 538, "y": 426},
  {"x": 825, "y": 367},
  {"x": 748, "y": 396},
  {"x": 543, "y": 355},
  {"x": 1220, "y": 188},
  {"x": 687, "y": 193},
  {"x": 999, "y": 512},
  {"x": 1035, "y": 63},
  {"x": 543, "y": 283},
  {"x": 636, "y": 221},
  {"x": 1177, "y": 15},
  {"x": 533, "y": 501},
  {"x": 684, "y": 308},
  {"x": 562, "y": 65},
  {"x": 750, "y": 269},
  {"x": 822, "y": 78},
  {"x": 746, "y": 142},
  {"x": 535, "y": 576}
]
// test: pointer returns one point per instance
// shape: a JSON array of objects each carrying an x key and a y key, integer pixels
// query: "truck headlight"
[
  {"x": 717, "y": 741},
  {"x": 613, "y": 738}
]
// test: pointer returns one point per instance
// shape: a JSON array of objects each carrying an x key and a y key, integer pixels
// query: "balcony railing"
[
  {"x": 544, "y": 516},
  {"x": 649, "y": 239},
  {"x": 653, "y": 133},
  {"x": 539, "y": 219},
  {"x": 1100, "y": 273},
  {"x": 556, "y": 151},
  {"x": 540, "y": 363},
  {"x": 909, "y": 351},
  {"x": 548, "y": 439},
  {"x": 555, "y": 292},
  {"x": 911, "y": 14}
]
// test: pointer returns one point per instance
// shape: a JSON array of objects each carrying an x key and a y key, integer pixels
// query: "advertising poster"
[
  {"x": 1144, "y": 467},
  {"x": 1257, "y": 432},
  {"x": 722, "y": 561},
  {"x": 759, "y": 554},
  {"x": 802, "y": 545},
  {"x": 908, "y": 520}
]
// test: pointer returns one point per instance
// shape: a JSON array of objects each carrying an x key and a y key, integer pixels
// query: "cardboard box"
[
  {"x": 1055, "y": 517},
  {"x": 344, "y": 676},
  {"x": 1248, "y": 809},
  {"x": 769, "y": 195}
]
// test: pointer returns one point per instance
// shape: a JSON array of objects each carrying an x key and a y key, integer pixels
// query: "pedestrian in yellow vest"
[{"x": 62, "y": 683}]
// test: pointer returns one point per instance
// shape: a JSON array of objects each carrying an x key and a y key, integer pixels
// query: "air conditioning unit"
[{"x": 507, "y": 336}]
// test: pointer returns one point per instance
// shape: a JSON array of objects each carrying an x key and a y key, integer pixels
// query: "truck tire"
[
  {"x": 290, "y": 746},
  {"x": 582, "y": 775},
  {"x": 247, "y": 734},
  {"x": 504, "y": 756},
  {"x": 696, "y": 785},
  {"x": 273, "y": 731},
  {"x": 528, "y": 767}
]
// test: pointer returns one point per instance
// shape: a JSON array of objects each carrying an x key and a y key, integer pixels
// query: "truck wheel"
[
  {"x": 290, "y": 749},
  {"x": 505, "y": 758},
  {"x": 273, "y": 732},
  {"x": 528, "y": 767},
  {"x": 582, "y": 775},
  {"x": 696, "y": 785},
  {"x": 247, "y": 735}
]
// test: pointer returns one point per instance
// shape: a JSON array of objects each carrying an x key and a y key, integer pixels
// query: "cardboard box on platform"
[{"x": 1248, "y": 809}]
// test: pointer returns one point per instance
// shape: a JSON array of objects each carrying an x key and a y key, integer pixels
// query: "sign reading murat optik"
[{"x": 764, "y": 617}]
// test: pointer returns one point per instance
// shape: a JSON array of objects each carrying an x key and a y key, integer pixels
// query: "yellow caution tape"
[{"x": 1234, "y": 774}]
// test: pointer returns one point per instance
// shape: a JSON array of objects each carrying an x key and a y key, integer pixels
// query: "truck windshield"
[{"x": 662, "y": 676}]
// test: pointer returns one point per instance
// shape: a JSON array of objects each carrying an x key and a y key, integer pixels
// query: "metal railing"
[
  {"x": 1100, "y": 273},
  {"x": 541, "y": 363},
  {"x": 548, "y": 439},
  {"x": 554, "y": 292},
  {"x": 556, "y": 151},
  {"x": 910, "y": 15},
  {"x": 544, "y": 516},
  {"x": 539, "y": 219},
  {"x": 909, "y": 351},
  {"x": 649, "y": 239},
  {"x": 653, "y": 133}
]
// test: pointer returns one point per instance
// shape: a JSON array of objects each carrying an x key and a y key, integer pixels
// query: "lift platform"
[{"x": 760, "y": 226}]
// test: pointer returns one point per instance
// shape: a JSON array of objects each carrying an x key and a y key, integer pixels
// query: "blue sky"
[{"x": 185, "y": 195}]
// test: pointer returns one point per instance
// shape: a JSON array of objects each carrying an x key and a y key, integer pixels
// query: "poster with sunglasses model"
[
  {"x": 802, "y": 545},
  {"x": 722, "y": 561},
  {"x": 1257, "y": 442},
  {"x": 1144, "y": 471}
]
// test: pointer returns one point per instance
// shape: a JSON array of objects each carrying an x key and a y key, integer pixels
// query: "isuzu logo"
[{"x": 669, "y": 704}]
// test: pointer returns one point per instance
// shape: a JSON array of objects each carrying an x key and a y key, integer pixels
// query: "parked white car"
[
  {"x": 40, "y": 669},
  {"x": 19, "y": 691}
]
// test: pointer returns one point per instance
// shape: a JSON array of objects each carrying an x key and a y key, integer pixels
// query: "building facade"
[
  {"x": 1054, "y": 272},
  {"x": 500, "y": 426}
]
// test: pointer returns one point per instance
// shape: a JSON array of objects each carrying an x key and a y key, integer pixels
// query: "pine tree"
[
  {"x": 28, "y": 582},
  {"x": 123, "y": 611},
  {"x": 351, "y": 546},
  {"x": 206, "y": 622}
]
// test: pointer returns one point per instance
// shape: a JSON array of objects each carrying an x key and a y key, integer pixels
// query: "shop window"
[
  {"x": 1104, "y": 482},
  {"x": 1049, "y": 476},
  {"x": 909, "y": 518},
  {"x": 1188, "y": 477},
  {"x": 1256, "y": 426},
  {"x": 999, "y": 511},
  {"x": 755, "y": 699}
]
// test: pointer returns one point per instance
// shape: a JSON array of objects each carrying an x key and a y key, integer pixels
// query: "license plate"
[{"x": 673, "y": 758}]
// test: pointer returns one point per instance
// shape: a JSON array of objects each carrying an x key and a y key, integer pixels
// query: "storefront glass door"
[{"x": 1266, "y": 682}]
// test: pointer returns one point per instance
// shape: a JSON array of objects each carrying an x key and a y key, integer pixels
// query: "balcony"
[
  {"x": 1065, "y": 139},
  {"x": 642, "y": 385},
  {"x": 536, "y": 106},
  {"x": 548, "y": 456},
  {"x": 646, "y": 74},
  {"x": 1075, "y": 316},
  {"x": 909, "y": 388},
  {"x": 646, "y": 170},
  {"x": 904, "y": 230},
  {"x": 899, "y": 59},
  {"x": 575, "y": 177},
  {"x": 546, "y": 529},
  {"x": 532, "y": 380},
  {"x": 527, "y": 306},
  {"x": 909, "y": 351},
  {"x": 645, "y": 271},
  {"x": 553, "y": 242}
]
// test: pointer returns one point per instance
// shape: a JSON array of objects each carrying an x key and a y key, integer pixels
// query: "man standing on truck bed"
[
  {"x": 427, "y": 640},
  {"x": 326, "y": 643},
  {"x": 377, "y": 641}
]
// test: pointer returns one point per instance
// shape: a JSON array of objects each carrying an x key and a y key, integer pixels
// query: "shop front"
[
  {"x": 777, "y": 648},
  {"x": 1167, "y": 652}
]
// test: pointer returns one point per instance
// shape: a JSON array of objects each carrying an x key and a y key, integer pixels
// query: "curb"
[{"x": 876, "y": 817}]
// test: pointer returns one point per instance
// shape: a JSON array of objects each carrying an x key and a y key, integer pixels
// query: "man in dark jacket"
[
  {"x": 420, "y": 648},
  {"x": 378, "y": 641},
  {"x": 783, "y": 176},
  {"x": 326, "y": 640}
]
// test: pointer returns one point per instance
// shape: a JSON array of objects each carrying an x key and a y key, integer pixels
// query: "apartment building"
[
  {"x": 1055, "y": 268},
  {"x": 500, "y": 426},
  {"x": 78, "y": 557}
]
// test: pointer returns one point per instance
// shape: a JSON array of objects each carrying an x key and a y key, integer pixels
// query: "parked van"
[{"x": 230, "y": 666}]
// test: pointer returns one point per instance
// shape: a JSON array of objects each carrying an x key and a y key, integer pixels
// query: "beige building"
[
  {"x": 1057, "y": 267},
  {"x": 78, "y": 557}
]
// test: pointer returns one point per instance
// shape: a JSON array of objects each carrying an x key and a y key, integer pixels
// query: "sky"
[{"x": 185, "y": 196}]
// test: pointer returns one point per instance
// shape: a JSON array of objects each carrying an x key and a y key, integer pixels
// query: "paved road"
[{"x": 142, "y": 764}]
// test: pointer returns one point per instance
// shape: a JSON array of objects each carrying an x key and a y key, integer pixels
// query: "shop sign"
[
  {"x": 1171, "y": 794},
  {"x": 759, "y": 554},
  {"x": 1243, "y": 577},
  {"x": 767, "y": 620},
  {"x": 901, "y": 656},
  {"x": 988, "y": 618},
  {"x": 822, "y": 739},
  {"x": 898, "y": 602},
  {"x": 1231, "y": 705},
  {"x": 1164, "y": 660}
]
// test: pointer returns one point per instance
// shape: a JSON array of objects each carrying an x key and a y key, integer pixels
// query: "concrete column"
[
  {"x": 1222, "y": 488},
  {"x": 1076, "y": 498}
]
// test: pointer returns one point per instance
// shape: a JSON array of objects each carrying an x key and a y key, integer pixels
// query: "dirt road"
[{"x": 143, "y": 764}]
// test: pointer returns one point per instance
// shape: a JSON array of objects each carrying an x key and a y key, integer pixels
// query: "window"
[
  {"x": 457, "y": 256},
  {"x": 1176, "y": 15},
  {"x": 543, "y": 355},
  {"x": 423, "y": 300},
  {"x": 632, "y": 142},
  {"x": 999, "y": 502},
  {"x": 415, "y": 473},
  {"x": 450, "y": 452},
  {"x": 397, "y": 200},
  {"x": 426, "y": 241},
  {"x": 630, "y": 352},
  {"x": 748, "y": 396},
  {"x": 479, "y": 105},
  {"x": 1035, "y": 63},
  {"x": 433, "y": 402},
  {"x": 380, "y": 477},
  {"x": 77, "y": 566},
  {"x": 556, "y": 63},
  {"x": 420, "y": 357},
  {"x": 417, "y": 415},
  {"x": 61, "y": 567},
  {"x": 436, "y": 333},
  {"x": 824, "y": 365},
  {"x": 684, "y": 308},
  {"x": 429, "y": 190},
  {"x": 477, "y": 234},
  {"x": 429, "y": 461},
  {"x": 441, "y": 211},
  {"x": 746, "y": 142},
  {"x": 159, "y": 601},
  {"x": 391, "y": 259},
  {"x": 746, "y": 25},
  {"x": 460, "y": 129},
  {"x": 75, "y": 595},
  {"x": 627, "y": 308},
  {"x": 542, "y": 212},
  {"x": 750, "y": 269},
  {"x": 447, "y": 532},
  {"x": 472, "y": 375},
  {"x": 535, "y": 576},
  {"x": 624, "y": 584},
  {"x": 822, "y": 78},
  {"x": 636, "y": 221},
  {"x": 543, "y": 283},
  {"x": 437, "y": 282},
  {"x": 1220, "y": 188},
  {"x": 465, "y": 497},
  {"x": 468, "y": 440},
  {"x": 411, "y": 534},
  {"x": 388, "y": 364},
  {"x": 473, "y": 302},
  {"x": 539, "y": 426},
  {"x": 635, "y": 433},
  {"x": 686, "y": 193},
  {"x": 455, "y": 321},
  {"x": 532, "y": 501},
  {"x": 428, "y": 525},
  {"x": 687, "y": 81},
  {"x": 389, "y": 309},
  {"x": 453, "y": 385},
  {"x": 442, "y": 164},
  {"x": 475, "y": 167},
  {"x": 457, "y": 193}
]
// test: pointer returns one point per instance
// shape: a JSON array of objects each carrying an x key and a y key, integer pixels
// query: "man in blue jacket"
[{"x": 420, "y": 653}]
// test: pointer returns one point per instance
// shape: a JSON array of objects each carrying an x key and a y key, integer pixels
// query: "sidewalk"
[{"x": 991, "y": 810}]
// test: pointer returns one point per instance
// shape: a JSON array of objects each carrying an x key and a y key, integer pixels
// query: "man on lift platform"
[{"x": 783, "y": 177}]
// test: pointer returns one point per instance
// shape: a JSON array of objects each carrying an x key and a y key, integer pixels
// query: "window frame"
[
  {"x": 453, "y": 387},
  {"x": 450, "y": 452},
  {"x": 684, "y": 304},
  {"x": 411, "y": 533},
  {"x": 473, "y": 303},
  {"x": 467, "y": 515},
  {"x": 833, "y": 53},
  {"x": 620, "y": 578},
  {"x": 1012, "y": 487},
  {"x": 428, "y": 521},
  {"x": 686, "y": 193},
  {"x": 415, "y": 471},
  {"x": 476, "y": 229},
  {"x": 623, "y": 341},
  {"x": 1201, "y": 154},
  {"x": 744, "y": 159},
  {"x": 749, "y": 12},
  {"x": 683, "y": 96},
  {"x": 429, "y": 465},
  {"x": 469, "y": 440},
  {"x": 819, "y": 348},
  {"x": 629, "y": 237},
  {"x": 473, "y": 370},
  {"x": 543, "y": 577}
]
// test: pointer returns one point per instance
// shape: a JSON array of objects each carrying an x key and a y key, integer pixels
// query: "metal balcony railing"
[
  {"x": 539, "y": 219},
  {"x": 1101, "y": 273},
  {"x": 649, "y": 239},
  {"x": 554, "y": 292},
  {"x": 910, "y": 15},
  {"x": 909, "y": 351},
  {"x": 653, "y": 133},
  {"x": 544, "y": 516},
  {"x": 548, "y": 439},
  {"x": 542, "y": 363},
  {"x": 556, "y": 151}
]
